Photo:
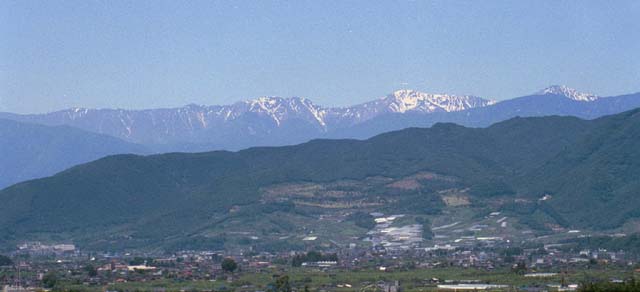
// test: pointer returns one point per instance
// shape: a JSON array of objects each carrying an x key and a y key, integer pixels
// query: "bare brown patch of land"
[{"x": 455, "y": 197}]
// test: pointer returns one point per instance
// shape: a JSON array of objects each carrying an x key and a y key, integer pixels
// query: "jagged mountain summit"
[
  {"x": 275, "y": 121},
  {"x": 568, "y": 92},
  {"x": 279, "y": 109},
  {"x": 411, "y": 101},
  {"x": 553, "y": 100}
]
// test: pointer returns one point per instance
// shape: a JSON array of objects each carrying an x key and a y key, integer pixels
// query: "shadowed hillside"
[{"x": 579, "y": 163}]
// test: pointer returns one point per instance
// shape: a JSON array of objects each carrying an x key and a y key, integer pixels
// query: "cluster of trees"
[
  {"x": 313, "y": 256},
  {"x": 197, "y": 243},
  {"x": 229, "y": 265},
  {"x": 136, "y": 261},
  {"x": 91, "y": 270},
  {"x": 427, "y": 233},
  {"x": 631, "y": 285},
  {"x": 630, "y": 243},
  {"x": 510, "y": 253},
  {"x": 281, "y": 284},
  {"x": 363, "y": 220},
  {"x": 50, "y": 279},
  {"x": 5, "y": 261}
]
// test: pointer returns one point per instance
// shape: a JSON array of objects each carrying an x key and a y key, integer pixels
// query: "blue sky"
[{"x": 147, "y": 54}]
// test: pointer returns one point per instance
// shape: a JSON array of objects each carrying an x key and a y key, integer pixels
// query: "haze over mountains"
[
  {"x": 265, "y": 121},
  {"x": 260, "y": 121},
  {"x": 30, "y": 151},
  {"x": 272, "y": 121},
  {"x": 547, "y": 172}
]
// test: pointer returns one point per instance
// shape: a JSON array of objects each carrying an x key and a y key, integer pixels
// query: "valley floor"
[{"x": 300, "y": 279}]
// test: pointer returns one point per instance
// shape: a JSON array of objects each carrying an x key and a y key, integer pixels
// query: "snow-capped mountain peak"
[
  {"x": 280, "y": 109},
  {"x": 271, "y": 120},
  {"x": 260, "y": 116},
  {"x": 410, "y": 100},
  {"x": 568, "y": 92}
]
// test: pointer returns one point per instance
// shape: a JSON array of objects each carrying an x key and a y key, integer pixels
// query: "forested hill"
[{"x": 591, "y": 169}]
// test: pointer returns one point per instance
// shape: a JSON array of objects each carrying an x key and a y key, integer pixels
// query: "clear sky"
[{"x": 147, "y": 54}]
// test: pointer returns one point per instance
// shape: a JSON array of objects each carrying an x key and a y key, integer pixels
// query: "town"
[{"x": 396, "y": 261}]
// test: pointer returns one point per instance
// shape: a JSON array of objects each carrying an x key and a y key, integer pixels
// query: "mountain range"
[
  {"x": 546, "y": 171},
  {"x": 544, "y": 103},
  {"x": 274, "y": 121},
  {"x": 266, "y": 121},
  {"x": 260, "y": 121}
]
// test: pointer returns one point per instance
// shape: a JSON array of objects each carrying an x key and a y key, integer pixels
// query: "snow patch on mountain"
[
  {"x": 409, "y": 100},
  {"x": 195, "y": 122},
  {"x": 568, "y": 92}
]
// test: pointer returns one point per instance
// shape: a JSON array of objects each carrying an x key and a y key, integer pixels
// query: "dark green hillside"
[
  {"x": 582, "y": 164},
  {"x": 596, "y": 181}
]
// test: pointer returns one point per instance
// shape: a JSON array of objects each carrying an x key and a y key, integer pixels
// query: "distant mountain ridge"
[
  {"x": 255, "y": 117},
  {"x": 274, "y": 121},
  {"x": 554, "y": 100},
  {"x": 31, "y": 151}
]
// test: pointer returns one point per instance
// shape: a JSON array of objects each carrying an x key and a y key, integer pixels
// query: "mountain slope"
[
  {"x": 184, "y": 194},
  {"x": 605, "y": 165},
  {"x": 31, "y": 151}
]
